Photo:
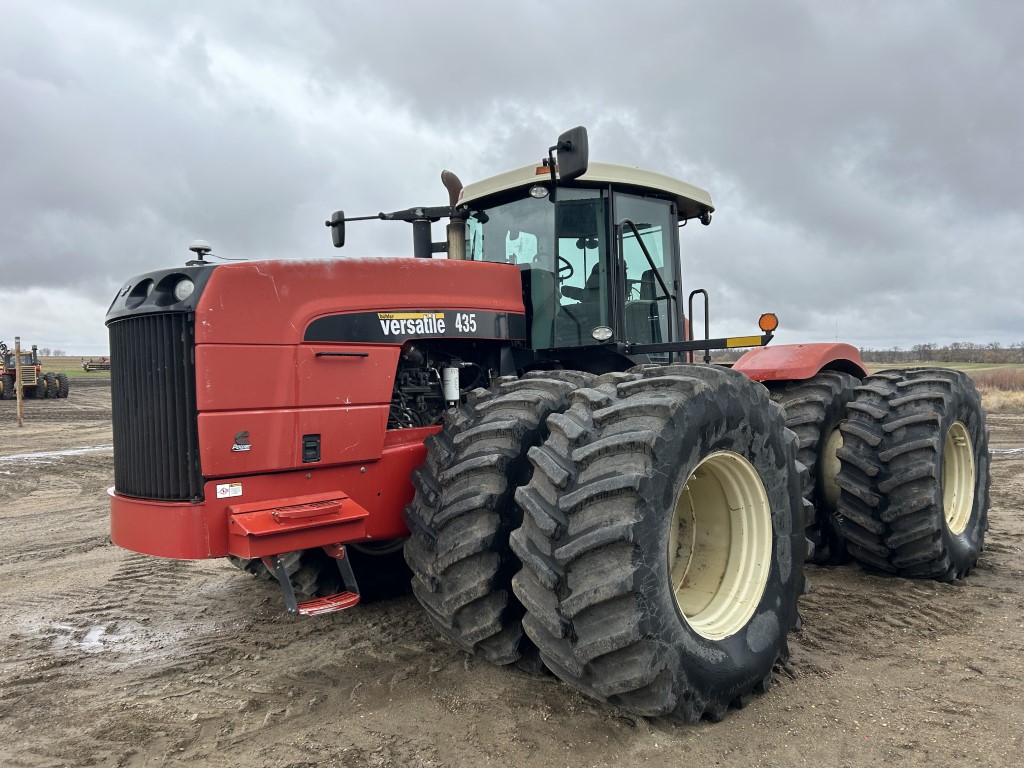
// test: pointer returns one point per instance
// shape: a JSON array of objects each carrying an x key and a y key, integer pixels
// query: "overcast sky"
[{"x": 866, "y": 159}]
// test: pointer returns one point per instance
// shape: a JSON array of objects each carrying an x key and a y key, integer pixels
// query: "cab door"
[{"x": 650, "y": 312}]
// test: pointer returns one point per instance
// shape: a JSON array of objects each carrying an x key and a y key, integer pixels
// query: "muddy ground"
[{"x": 113, "y": 658}]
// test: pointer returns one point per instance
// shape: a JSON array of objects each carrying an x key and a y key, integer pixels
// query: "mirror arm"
[{"x": 551, "y": 167}]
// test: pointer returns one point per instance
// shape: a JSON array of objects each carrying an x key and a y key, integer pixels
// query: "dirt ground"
[{"x": 113, "y": 658}]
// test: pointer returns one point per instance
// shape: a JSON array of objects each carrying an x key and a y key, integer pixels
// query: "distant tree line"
[
  {"x": 47, "y": 352},
  {"x": 957, "y": 352}
]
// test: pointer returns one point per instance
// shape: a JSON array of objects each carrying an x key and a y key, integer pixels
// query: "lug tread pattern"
[
  {"x": 579, "y": 581},
  {"x": 808, "y": 405},
  {"x": 890, "y": 502},
  {"x": 463, "y": 510}
]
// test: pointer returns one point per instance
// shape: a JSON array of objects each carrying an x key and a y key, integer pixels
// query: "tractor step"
[
  {"x": 318, "y": 605},
  {"x": 329, "y": 604}
]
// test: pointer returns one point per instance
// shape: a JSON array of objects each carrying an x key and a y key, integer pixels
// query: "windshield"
[
  {"x": 512, "y": 233},
  {"x": 562, "y": 250}
]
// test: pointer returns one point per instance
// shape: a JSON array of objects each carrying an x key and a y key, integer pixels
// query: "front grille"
[{"x": 153, "y": 394}]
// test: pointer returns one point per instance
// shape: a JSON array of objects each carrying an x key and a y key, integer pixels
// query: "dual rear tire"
[
  {"x": 914, "y": 475},
  {"x": 815, "y": 408}
]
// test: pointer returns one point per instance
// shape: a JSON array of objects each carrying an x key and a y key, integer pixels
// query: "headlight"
[{"x": 183, "y": 289}]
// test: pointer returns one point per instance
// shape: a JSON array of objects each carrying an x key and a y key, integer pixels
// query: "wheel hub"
[
  {"x": 958, "y": 475},
  {"x": 830, "y": 466},
  {"x": 720, "y": 545}
]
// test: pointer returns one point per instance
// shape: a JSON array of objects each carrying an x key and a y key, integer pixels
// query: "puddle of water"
[
  {"x": 122, "y": 645},
  {"x": 96, "y": 638}
]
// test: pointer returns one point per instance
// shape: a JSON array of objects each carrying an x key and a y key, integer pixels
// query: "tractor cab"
[
  {"x": 599, "y": 255},
  {"x": 28, "y": 360}
]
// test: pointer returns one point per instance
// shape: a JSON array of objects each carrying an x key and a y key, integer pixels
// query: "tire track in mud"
[
  {"x": 105, "y": 632},
  {"x": 892, "y": 616}
]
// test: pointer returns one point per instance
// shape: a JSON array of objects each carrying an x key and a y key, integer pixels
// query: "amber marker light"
[{"x": 768, "y": 322}]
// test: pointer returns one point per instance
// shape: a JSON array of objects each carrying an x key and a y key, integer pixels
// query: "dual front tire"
[
  {"x": 661, "y": 541},
  {"x": 464, "y": 510}
]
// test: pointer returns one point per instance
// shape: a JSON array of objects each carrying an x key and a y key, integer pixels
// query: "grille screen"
[{"x": 153, "y": 394}]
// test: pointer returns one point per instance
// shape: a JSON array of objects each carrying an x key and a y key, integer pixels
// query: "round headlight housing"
[{"x": 183, "y": 289}]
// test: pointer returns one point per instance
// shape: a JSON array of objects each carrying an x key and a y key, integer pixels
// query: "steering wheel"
[{"x": 565, "y": 268}]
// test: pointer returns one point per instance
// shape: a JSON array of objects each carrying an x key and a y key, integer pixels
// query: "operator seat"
[{"x": 643, "y": 320}]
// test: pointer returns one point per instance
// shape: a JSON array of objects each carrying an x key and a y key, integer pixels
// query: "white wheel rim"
[
  {"x": 958, "y": 478},
  {"x": 829, "y": 464},
  {"x": 720, "y": 545}
]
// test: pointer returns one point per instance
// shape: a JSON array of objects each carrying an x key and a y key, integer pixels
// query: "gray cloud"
[{"x": 865, "y": 158}]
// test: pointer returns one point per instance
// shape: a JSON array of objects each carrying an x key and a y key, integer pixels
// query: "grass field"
[
  {"x": 1001, "y": 385},
  {"x": 971, "y": 368},
  {"x": 72, "y": 366}
]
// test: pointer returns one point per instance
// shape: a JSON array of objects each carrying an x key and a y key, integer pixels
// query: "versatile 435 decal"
[
  {"x": 411, "y": 323},
  {"x": 396, "y": 326}
]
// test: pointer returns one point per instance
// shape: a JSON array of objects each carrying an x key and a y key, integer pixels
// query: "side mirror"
[
  {"x": 573, "y": 153},
  {"x": 337, "y": 225}
]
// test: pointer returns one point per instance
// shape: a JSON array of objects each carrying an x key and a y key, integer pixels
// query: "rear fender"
[{"x": 800, "y": 361}]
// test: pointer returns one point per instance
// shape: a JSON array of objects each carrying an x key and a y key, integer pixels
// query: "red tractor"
[
  {"x": 34, "y": 383},
  {"x": 523, "y": 420}
]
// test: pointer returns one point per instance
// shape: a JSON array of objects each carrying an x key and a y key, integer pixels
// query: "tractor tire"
[
  {"x": 914, "y": 474},
  {"x": 464, "y": 510},
  {"x": 62, "y": 385},
  {"x": 663, "y": 541},
  {"x": 313, "y": 572},
  {"x": 814, "y": 410},
  {"x": 7, "y": 387},
  {"x": 47, "y": 387}
]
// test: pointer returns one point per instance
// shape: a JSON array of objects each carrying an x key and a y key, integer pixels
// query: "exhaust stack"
[{"x": 456, "y": 229}]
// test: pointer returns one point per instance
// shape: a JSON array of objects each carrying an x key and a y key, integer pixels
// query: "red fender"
[{"x": 800, "y": 361}]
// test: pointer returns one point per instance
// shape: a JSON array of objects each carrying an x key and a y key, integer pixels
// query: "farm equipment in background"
[
  {"x": 34, "y": 383},
  {"x": 522, "y": 420},
  {"x": 100, "y": 364}
]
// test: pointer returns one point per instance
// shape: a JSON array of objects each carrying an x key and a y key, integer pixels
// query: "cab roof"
[{"x": 692, "y": 201}]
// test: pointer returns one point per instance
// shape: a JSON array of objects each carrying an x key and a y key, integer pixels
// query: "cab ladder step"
[{"x": 318, "y": 605}]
